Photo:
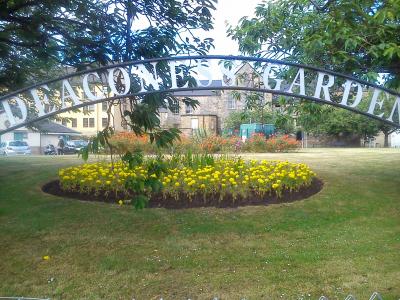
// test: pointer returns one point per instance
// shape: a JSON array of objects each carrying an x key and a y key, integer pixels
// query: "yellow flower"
[
  {"x": 108, "y": 182},
  {"x": 46, "y": 257},
  {"x": 120, "y": 202},
  {"x": 275, "y": 186},
  {"x": 203, "y": 186},
  {"x": 177, "y": 184}
]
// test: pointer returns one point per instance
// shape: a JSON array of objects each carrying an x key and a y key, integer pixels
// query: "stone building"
[{"x": 214, "y": 107}]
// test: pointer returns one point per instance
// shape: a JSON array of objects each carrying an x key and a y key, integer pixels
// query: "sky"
[{"x": 229, "y": 11}]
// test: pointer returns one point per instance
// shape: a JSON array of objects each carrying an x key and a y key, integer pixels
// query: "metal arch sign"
[{"x": 172, "y": 74}]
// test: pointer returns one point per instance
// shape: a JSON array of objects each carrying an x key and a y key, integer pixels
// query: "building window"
[
  {"x": 47, "y": 108},
  {"x": 19, "y": 136},
  {"x": 74, "y": 123},
  {"x": 231, "y": 103},
  {"x": 195, "y": 124},
  {"x": 105, "y": 91},
  {"x": 212, "y": 124},
  {"x": 91, "y": 122},
  {"x": 175, "y": 107},
  {"x": 104, "y": 106},
  {"x": 64, "y": 122},
  {"x": 85, "y": 122},
  {"x": 89, "y": 108},
  {"x": 188, "y": 109},
  {"x": 104, "y": 122}
]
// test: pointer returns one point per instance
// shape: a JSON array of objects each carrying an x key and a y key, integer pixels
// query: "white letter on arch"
[
  {"x": 86, "y": 88},
  {"x": 300, "y": 74},
  {"x": 71, "y": 94},
  {"x": 375, "y": 102},
  {"x": 346, "y": 93},
  {"x": 147, "y": 76},
  {"x": 39, "y": 103},
  {"x": 395, "y": 105},
  {"x": 172, "y": 66},
  {"x": 22, "y": 107},
  {"x": 111, "y": 81},
  {"x": 320, "y": 86},
  {"x": 266, "y": 75},
  {"x": 205, "y": 71}
]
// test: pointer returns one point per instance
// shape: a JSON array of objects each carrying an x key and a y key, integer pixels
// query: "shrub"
[
  {"x": 123, "y": 142},
  {"x": 204, "y": 143},
  {"x": 281, "y": 144},
  {"x": 258, "y": 143}
]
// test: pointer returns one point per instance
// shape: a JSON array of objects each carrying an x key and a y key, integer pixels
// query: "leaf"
[
  {"x": 84, "y": 152},
  {"x": 140, "y": 202}
]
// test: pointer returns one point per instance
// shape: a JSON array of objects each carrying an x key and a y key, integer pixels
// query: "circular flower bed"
[{"x": 181, "y": 183}]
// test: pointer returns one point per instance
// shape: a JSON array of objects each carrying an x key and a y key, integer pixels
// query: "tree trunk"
[{"x": 386, "y": 142}]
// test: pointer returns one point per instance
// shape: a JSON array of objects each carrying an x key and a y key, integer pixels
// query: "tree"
[
  {"x": 38, "y": 36},
  {"x": 360, "y": 38},
  {"x": 316, "y": 118},
  {"x": 236, "y": 118}
]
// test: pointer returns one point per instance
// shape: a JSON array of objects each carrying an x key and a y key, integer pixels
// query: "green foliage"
[
  {"x": 197, "y": 160},
  {"x": 42, "y": 35},
  {"x": 38, "y": 36},
  {"x": 133, "y": 160},
  {"x": 360, "y": 38},
  {"x": 140, "y": 201},
  {"x": 347, "y": 36},
  {"x": 142, "y": 185},
  {"x": 236, "y": 118}
]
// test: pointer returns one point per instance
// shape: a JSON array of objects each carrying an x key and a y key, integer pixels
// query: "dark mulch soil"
[{"x": 157, "y": 200}]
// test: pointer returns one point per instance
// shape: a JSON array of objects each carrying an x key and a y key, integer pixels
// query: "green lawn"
[{"x": 346, "y": 239}]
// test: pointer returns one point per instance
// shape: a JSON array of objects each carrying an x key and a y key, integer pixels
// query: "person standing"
[{"x": 60, "y": 146}]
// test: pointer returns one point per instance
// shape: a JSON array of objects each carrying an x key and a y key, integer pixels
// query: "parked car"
[
  {"x": 50, "y": 150},
  {"x": 74, "y": 146},
  {"x": 15, "y": 148}
]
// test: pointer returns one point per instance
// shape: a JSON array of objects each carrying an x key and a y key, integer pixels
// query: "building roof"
[
  {"x": 49, "y": 127},
  {"x": 200, "y": 93}
]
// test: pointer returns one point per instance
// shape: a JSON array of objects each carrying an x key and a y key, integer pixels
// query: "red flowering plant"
[
  {"x": 281, "y": 144},
  {"x": 257, "y": 142},
  {"x": 129, "y": 141}
]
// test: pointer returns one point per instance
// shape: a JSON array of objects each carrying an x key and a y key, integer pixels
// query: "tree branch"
[{"x": 321, "y": 8}]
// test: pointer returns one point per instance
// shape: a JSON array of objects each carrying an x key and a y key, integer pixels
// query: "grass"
[{"x": 346, "y": 239}]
